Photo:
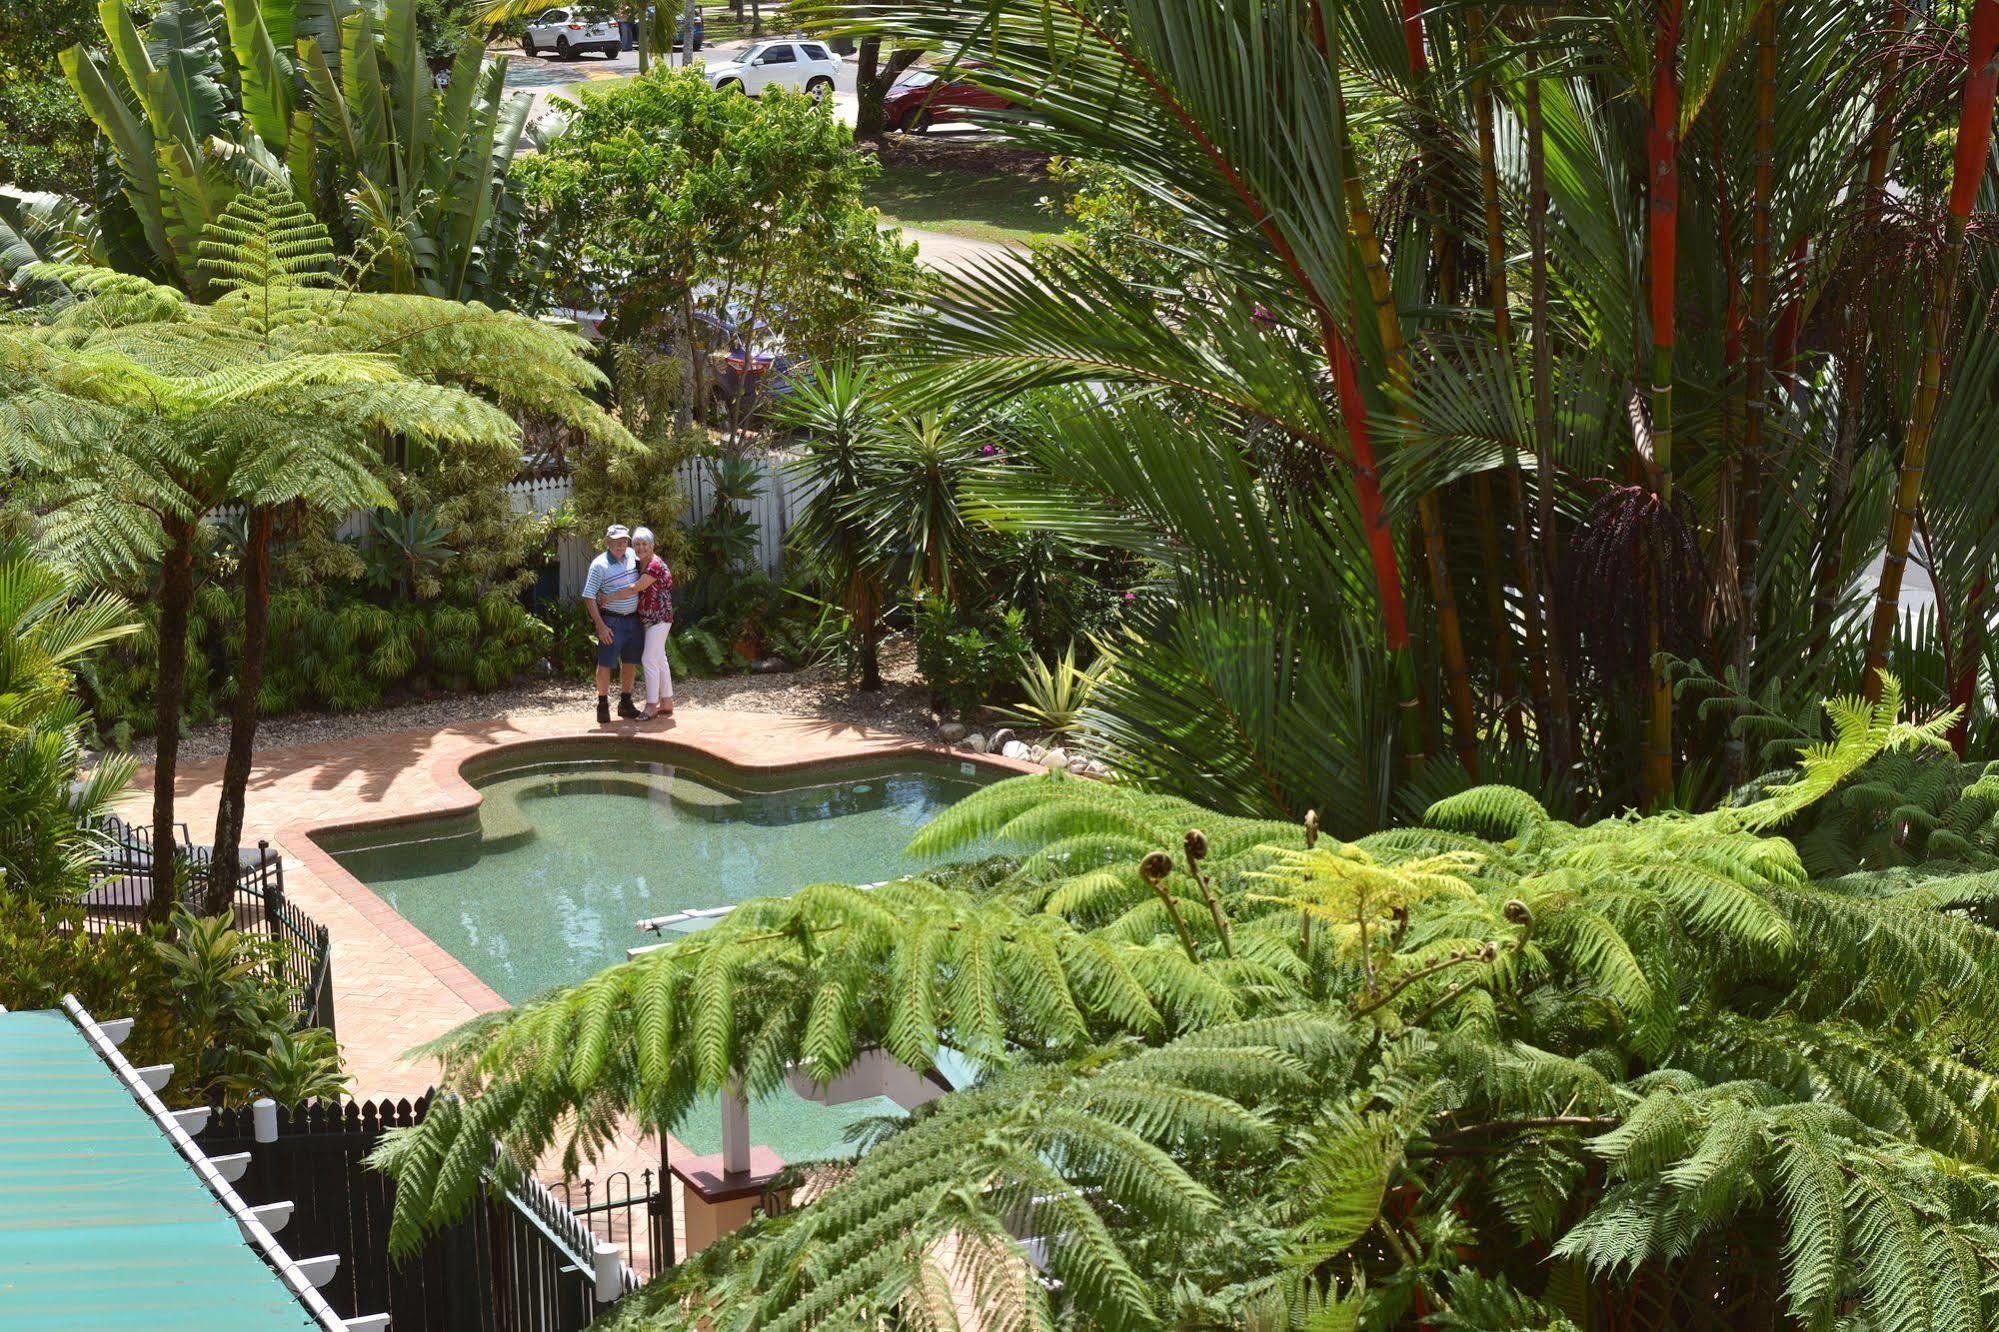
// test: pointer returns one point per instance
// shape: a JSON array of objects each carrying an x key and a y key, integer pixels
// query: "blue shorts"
[{"x": 628, "y": 641}]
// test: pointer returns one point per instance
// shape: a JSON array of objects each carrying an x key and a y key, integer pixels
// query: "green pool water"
[{"x": 544, "y": 886}]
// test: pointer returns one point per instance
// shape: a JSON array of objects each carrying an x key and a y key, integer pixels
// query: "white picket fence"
[{"x": 781, "y": 497}]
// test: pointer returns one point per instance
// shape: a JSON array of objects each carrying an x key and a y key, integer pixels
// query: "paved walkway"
[{"x": 393, "y": 987}]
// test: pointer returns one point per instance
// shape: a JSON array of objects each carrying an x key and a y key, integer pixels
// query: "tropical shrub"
[
  {"x": 765, "y": 210},
  {"x": 45, "y": 138},
  {"x": 47, "y": 806},
  {"x": 1497, "y": 1070},
  {"x": 895, "y": 505},
  {"x": 965, "y": 656},
  {"x": 202, "y": 996},
  {"x": 330, "y": 651},
  {"x": 639, "y": 487},
  {"x": 334, "y": 107}
]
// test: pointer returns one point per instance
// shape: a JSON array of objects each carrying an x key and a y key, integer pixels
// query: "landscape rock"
[
  {"x": 771, "y": 666},
  {"x": 976, "y": 743},
  {"x": 1081, "y": 763},
  {"x": 1001, "y": 738},
  {"x": 1037, "y": 753},
  {"x": 1014, "y": 749},
  {"x": 951, "y": 732},
  {"x": 1056, "y": 758}
]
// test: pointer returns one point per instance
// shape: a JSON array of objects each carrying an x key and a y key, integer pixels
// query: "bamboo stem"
[
  {"x": 1499, "y": 299},
  {"x": 1755, "y": 395}
]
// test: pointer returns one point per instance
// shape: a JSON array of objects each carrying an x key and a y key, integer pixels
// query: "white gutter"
[{"x": 302, "y": 1278}]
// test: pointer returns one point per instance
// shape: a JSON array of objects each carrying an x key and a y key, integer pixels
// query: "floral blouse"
[{"x": 656, "y": 602}]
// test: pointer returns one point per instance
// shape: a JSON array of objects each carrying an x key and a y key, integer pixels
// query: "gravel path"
[{"x": 902, "y": 706}]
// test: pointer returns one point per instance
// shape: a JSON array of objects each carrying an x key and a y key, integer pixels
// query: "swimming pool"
[{"x": 543, "y": 885}]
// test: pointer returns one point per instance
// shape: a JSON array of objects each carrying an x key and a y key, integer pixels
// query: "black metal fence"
[
  {"x": 518, "y": 1261},
  {"x": 122, "y": 891},
  {"x": 633, "y": 1213}
]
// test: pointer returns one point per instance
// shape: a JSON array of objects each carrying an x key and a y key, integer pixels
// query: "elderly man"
[{"x": 610, "y": 591}]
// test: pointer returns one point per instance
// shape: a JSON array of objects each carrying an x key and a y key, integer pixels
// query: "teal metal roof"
[{"x": 103, "y": 1225}]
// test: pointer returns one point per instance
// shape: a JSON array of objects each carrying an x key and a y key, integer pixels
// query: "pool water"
[{"x": 545, "y": 885}]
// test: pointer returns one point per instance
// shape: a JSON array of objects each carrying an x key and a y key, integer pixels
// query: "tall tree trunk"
[
  {"x": 1499, "y": 298},
  {"x": 1974, "y": 141},
  {"x": 229, "y": 809},
  {"x": 1662, "y": 150},
  {"x": 1755, "y": 390},
  {"x": 1450, "y": 634},
  {"x": 1380, "y": 541},
  {"x": 176, "y": 598},
  {"x": 1830, "y": 572},
  {"x": 869, "y": 118},
  {"x": 1561, "y": 723},
  {"x": 1360, "y": 439}
]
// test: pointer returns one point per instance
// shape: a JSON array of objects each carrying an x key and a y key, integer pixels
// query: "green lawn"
[{"x": 986, "y": 205}]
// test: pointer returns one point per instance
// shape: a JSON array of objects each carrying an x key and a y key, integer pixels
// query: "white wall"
[{"x": 780, "y": 499}]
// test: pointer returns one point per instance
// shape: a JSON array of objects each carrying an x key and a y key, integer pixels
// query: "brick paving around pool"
[{"x": 393, "y": 987}]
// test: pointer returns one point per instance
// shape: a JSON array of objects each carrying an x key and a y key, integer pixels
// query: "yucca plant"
[{"x": 1056, "y": 694}]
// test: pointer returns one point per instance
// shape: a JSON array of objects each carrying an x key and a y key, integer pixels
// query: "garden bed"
[{"x": 901, "y": 707}]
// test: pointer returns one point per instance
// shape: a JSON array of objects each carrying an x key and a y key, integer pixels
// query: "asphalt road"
[{"x": 545, "y": 76}]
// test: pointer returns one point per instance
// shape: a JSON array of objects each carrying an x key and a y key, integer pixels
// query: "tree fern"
[{"x": 1504, "y": 1064}]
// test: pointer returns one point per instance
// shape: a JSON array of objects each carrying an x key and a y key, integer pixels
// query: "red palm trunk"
[
  {"x": 1974, "y": 142},
  {"x": 1662, "y": 151}
]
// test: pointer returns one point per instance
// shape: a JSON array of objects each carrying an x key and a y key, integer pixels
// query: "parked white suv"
[
  {"x": 787, "y": 62},
  {"x": 569, "y": 33}
]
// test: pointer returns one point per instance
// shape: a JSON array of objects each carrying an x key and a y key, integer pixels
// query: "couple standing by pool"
[{"x": 629, "y": 594}]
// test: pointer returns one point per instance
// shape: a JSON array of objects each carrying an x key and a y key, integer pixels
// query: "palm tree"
[
  {"x": 132, "y": 414},
  {"x": 833, "y": 412},
  {"x": 1405, "y": 395},
  {"x": 47, "y": 629},
  {"x": 333, "y": 103},
  {"x": 1969, "y": 166}
]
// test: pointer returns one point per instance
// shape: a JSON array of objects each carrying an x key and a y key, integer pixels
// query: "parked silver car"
[{"x": 568, "y": 33}]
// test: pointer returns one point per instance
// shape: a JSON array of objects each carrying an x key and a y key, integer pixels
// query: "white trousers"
[{"x": 659, "y": 679}]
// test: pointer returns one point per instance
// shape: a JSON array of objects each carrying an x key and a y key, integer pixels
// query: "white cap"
[
  {"x": 642, "y": 534},
  {"x": 616, "y": 530}
]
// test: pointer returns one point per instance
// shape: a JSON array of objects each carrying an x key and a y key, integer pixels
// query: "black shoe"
[
  {"x": 626, "y": 709},
  {"x": 603, "y": 711}
]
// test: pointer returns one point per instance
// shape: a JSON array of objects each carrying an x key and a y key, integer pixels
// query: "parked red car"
[{"x": 919, "y": 99}]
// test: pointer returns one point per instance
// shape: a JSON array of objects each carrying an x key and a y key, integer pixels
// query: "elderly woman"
[{"x": 655, "y": 589}]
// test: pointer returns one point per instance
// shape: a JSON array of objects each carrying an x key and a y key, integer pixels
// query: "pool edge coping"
[{"x": 447, "y": 772}]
